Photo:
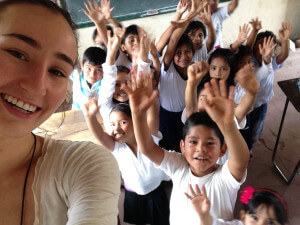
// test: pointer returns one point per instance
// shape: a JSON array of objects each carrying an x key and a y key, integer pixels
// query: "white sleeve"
[
  {"x": 143, "y": 66},
  {"x": 108, "y": 83},
  {"x": 222, "y": 222}
]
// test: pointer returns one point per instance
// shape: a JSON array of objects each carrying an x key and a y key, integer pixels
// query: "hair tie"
[{"x": 246, "y": 194}]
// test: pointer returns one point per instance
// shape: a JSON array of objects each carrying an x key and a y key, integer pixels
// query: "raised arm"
[
  {"x": 196, "y": 72},
  {"x": 256, "y": 26},
  {"x": 232, "y": 6},
  {"x": 94, "y": 12},
  {"x": 107, "y": 10},
  {"x": 284, "y": 34},
  {"x": 140, "y": 101},
  {"x": 155, "y": 61},
  {"x": 247, "y": 80},
  {"x": 220, "y": 107},
  {"x": 242, "y": 37}
]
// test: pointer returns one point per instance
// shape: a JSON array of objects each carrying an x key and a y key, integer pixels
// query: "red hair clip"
[{"x": 246, "y": 194}]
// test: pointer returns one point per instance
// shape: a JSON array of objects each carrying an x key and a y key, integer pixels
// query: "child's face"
[
  {"x": 197, "y": 36},
  {"x": 202, "y": 148},
  {"x": 219, "y": 69},
  {"x": 213, "y": 4},
  {"x": 131, "y": 45},
  {"x": 245, "y": 61},
  {"x": 264, "y": 216},
  {"x": 92, "y": 73},
  {"x": 121, "y": 127},
  {"x": 119, "y": 94},
  {"x": 183, "y": 56},
  {"x": 202, "y": 96}
]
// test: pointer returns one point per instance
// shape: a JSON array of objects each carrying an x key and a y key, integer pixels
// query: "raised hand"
[
  {"x": 144, "y": 44},
  {"x": 219, "y": 103},
  {"x": 105, "y": 8},
  {"x": 199, "y": 201},
  {"x": 256, "y": 24},
  {"x": 182, "y": 6},
  {"x": 90, "y": 108},
  {"x": 243, "y": 33},
  {"x": 205, "y": 16},
  {"x": 246, "y": 78},
  {"x": 266, "y": 49},
  {"x": 197, "y": 71},
  {"x": 94, "y": 12},
  {"x": 285, "y": 31},
  {"x": 115, "y": 41}
]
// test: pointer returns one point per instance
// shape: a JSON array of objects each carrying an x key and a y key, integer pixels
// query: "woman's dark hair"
[
  {"x": 122, "y": 107},
  {"x": 201, "y": 118},
  {"x": 185, "y": 40},
  {"x": 132, "y": 29},
  {"x": 228, "y": 56},
  {"x": 263, "y": 35},
  {"x": 195, "y": 25},
  {"x": 269, "y": 198},
  {"x": 94, "y": 56}
]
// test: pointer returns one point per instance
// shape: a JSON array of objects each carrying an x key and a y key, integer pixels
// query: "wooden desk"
[
  {"x": 291, "y": 90},
  {"x": 68, "y": 125}
]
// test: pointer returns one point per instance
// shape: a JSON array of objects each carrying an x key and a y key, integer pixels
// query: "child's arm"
[
  {"x": 106, "y": 10},
  {"x": 256, "y": 26},
  {"x": 155, "y": 61},
  {"x": 220, "y": 108},
  {"x": 113, "y": 45},
  {"x": 201, "y": 204},
  {"x": 232, "y": 6},
  {"x": 205, "y": 17},
  {"x": 266, "y": 49},
  {"x": 93, "y": 11},
  {"x": 140, "y": 101},
  {"x": 165, "y": 37},
  {"x": 90, "y": 110},
  {"x": 242, "y": 36},
  {"x": 247, "y": 80},
  {"x": 284, "y": 34},
  {"x": 196, "y": 72}
]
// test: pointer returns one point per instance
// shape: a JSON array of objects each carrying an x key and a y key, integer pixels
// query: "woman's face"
[{"x": 37, "y": 53}]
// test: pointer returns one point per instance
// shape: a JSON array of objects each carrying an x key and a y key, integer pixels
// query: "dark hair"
[
  {"x": 228, "y": 56},
  {"x": 47, "y": 4},
  {"x": 201, "y": 118},
  {"x": 242, "y": 52},
  {"x": 94, "y": 56},
  {"x": 263, "y": 35},
  {"x": 122, "y": 107},
  {"x": 185, "y": 40},
  {"x": 201, "y": 84},
  {"x": 122, "y": 69},
  {"x": 195, "y": 25},
  {"x": 95, "y": 32},
  {"x": 269, "y": 198},
  {"x": 132, "y": 29}
]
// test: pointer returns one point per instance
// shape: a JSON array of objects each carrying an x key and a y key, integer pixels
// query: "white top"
[
  {"x": 201, "y": 54},
  {"x": 172, "y": 89},
  {"x": 221, "y": 188},
  {"x": 75, "y": 183},
  {"x": 138, "y": 172},
  {"x": 217, "y": 19},
  {"x": 222, "y": 222},
  {"x": 123, "y": 60}
]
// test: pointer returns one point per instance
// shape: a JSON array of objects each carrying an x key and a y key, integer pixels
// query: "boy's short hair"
[
  {"x": 122, "y": 69},
  {"x": 132, "y": 29},
  {"x": 95, "y": 32},
  {"x": 195, "y": 25},
  {"x": 122, "y": 107},
  {"x": 267, "y": 33},
  {"x": 94, "y": 56},
  {"x": 185, "y": 40},
  {"x": 201, "y": 118}
]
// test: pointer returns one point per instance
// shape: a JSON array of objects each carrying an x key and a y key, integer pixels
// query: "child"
[
  {"x": 197, "y": 32},
  {"x": 260, "y": 206},
  {"x": 218, "y": 15},
  {"x": 87, "y": 81},
  {"x": 263, "y": 55},
  {"x": 201, "y": 147}
]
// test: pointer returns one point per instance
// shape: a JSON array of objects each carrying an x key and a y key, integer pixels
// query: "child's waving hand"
[
  {"x": 205, "y": 16},
  {"x": 285, "y": 31},
  {"x": 243, "y": 33},
  {"x": 197, "y": 71},
  {"x": 256, "y": 24},
  {"x": 105, "y": 8},
  {"x": 199, "y": 201},
  {"x": 266, "y": 49},
  {"x": 182, "y": 6},
  {"x": 90, "y": 108},
  {"x": 94, "y": 12}
]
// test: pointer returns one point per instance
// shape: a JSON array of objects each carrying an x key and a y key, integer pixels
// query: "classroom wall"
[{"x": 270, "y": 12}]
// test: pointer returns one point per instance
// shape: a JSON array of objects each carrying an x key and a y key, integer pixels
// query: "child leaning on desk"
[{"x": 201, "y": 147}]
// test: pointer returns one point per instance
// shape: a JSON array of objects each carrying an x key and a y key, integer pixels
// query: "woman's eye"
[
  {"x": 17, "y": 54},
  {"x": 57, "y": 73}
]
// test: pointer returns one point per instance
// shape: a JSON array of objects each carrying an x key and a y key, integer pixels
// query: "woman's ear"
[
  {"x": 182, "y": 148},
  {"x": 223, "y": 149},
  {"x": 242, "y": 215}
]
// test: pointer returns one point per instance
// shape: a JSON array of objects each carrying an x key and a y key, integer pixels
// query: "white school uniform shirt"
[
  {"x": 123, "y": 60},
  {"x": 222, "y": 222},
  {"x": 138, "y": 172},
  {"x": 172, "y": 89},
  {"x": 217, "y": 19},
  {"x": 201, "y": 54},
  {"x": 221, "y": 188}
]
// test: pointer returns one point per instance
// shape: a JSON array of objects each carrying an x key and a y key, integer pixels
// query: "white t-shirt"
[
  {"x": 75, "y": 183},
  {"x": 221, "y": 188},
  {"x": 201, "y": 54},
  {"x": 222, "y": 222},
  {"x": 172, "y": 89},
  {"x": 138, "y": 172},
  {"x": 217, "y": 19},
  {"x": 123, "y": 60}
]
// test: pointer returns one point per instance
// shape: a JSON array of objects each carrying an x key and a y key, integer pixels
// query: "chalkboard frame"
[{"x": 134, "y": 15}]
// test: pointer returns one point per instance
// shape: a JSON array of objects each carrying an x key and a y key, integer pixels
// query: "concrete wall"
[{"x": 270, "y": 12}]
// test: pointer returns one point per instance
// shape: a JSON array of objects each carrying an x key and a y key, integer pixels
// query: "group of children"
[{"x": 198, "y": 113}]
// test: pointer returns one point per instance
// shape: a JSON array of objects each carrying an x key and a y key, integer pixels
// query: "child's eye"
[
  {"x": 122, "y": 122},
  {"x": 57, "y": 72},
  {"x": 210, "y": 143},
  {"x": 112, "y": 125},
  {"x": 224, "y": 68},
  {"x": 213, "y": 68},
  {"x": 17, "y": 54},
  {"x": 193, "y": 142},
  {"x": 271, "y": 222},
  {"x": 118, "y": 85},
  {"x": 99, "y": 69},
  {"x": 253, "y": 217}
]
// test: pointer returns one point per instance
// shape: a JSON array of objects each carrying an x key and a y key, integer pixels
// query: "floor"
[{"x": 261, "y": 173}]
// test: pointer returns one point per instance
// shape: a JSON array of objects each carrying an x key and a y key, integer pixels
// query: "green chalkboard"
[{"x": 123, "y": 9}]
